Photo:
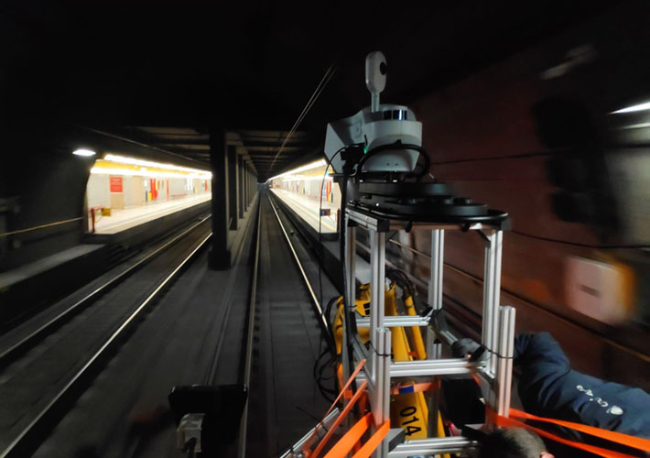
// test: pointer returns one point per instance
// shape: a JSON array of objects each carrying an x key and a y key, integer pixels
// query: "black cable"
[
  {"x": 403, "y": 281},
  {"x": 327, "y": 393},
  {"x": 315, "y": 369},
  {"x": 320, "y": 239},
  {"x": 347, "y": 173},
  {"x": 313, "y": 417},
  {"x": 328, "y": 310},
  {"x": 331, "y": 362},
  {"x": 347, "y": 316},
  {"x": 331, "y": 349}
]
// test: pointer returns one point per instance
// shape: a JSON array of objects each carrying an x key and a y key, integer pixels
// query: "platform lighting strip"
[
  {"x": 631, "y": 109},
  {"x": 143, "y": 163},
  {"x": 643, "y": 125},
  {"x": 83, "y": 152},
  {"x": 310, "y": 166},
  {"x": 164, "y": 170},
  {"x": 146, "y": 173},
  {"x": 304, "y": 178}
]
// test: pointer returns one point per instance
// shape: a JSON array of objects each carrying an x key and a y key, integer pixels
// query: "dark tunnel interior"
[{"x": 184, "y": 204}]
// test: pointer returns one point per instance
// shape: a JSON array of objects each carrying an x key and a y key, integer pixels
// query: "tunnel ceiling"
[
  {"x": 164, "y": 74},
  {"x": 261, "y": 146}
]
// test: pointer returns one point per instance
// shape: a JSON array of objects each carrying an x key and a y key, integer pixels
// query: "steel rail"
[
  {"x": 228, "y": 292},
  {"x": 241, "y": 449},
  {"x": 31, "y": 436},
  {"x": 248, "y": 365},
  {"x": 316, "y": 304},
  {"x": 23, "y": 345}
]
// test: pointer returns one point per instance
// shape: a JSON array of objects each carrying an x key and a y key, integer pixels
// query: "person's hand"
[{"x": 464, "y": 348}]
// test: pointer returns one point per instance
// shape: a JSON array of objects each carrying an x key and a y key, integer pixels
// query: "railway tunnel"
[{"x": 199, "y": 242}]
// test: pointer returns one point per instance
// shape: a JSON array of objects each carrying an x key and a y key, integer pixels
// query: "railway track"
[
  {"x": 285, "y": 333},
  {"x": 94, "y": 363},
  {"x": 23, "y": 342},
  {"x": 267, "y": 334},
  {"x": 46, "y": 369}
]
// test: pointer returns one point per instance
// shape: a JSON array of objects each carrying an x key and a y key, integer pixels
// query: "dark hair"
[{"x": 512, "y": 443}]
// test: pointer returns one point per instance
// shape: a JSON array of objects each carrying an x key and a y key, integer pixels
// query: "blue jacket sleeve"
[
  {"x": 548, "y": 387},
  {"x": 540, "y": 348},
  {"x": 543, "y": 366}
]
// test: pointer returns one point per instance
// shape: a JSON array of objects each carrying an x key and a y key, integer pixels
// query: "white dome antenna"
[{"x": 376, "y": 70}]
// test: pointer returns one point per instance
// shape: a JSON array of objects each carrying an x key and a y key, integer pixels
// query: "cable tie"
[
  {"x": 497, "y": 354},
  {"x": 376, "y": 352}
]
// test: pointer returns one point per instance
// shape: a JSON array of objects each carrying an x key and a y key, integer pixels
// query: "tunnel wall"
[
  {"x": 43, "y": 185},
  {"x": 484, "y": 136}
]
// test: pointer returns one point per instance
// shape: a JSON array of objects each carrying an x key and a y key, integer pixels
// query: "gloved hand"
[{"x": 463, "y": 348}]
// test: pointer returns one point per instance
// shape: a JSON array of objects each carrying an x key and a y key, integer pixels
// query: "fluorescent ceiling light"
[
  {"x": 83, "y": 152},
  {"x": 143, "y": 163},
  {"x": 643, "y": 125},
  {"x": 310, "y": 166},
  {"x": 640, "y": 107},
  {"x": 148, "y": 173},
  {"x": 113, "y": 164},
  {"x": 304, "y": 178}
]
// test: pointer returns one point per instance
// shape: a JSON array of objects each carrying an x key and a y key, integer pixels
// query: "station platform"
[
  {"x": 124, "y": 219},
  {"x": 130, "y": 228},
  {"x": 12, "y": 277},
  {"x": 303, "y": 216},
  {"x": 25, "y": 288},
  {"x": 309, "y": 209}
]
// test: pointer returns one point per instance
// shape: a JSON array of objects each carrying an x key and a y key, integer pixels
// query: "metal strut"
[{"x": 494, "y": 372}]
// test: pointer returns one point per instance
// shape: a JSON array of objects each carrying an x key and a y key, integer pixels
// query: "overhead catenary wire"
[
  {"x": 317, "y": 92},
  {"x": 308, "y": 106}
]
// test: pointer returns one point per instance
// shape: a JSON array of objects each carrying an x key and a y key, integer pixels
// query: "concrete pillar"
[
  {"x": 253, "y": 184},
  {"x": 240, "y": 190},
  {"x": 233, "y": 183},
  {"x": 246, "y": 189},
  {"x": 250, "y": 186},
  {"x": 219, "y": 256}
]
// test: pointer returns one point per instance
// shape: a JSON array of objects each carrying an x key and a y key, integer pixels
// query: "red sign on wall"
[{"x": 116, "y": 184}]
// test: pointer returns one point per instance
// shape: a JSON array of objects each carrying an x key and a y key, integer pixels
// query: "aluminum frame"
[
  {"x": 437, "y": 446},
  {"x": 396, "y": 321},
  {"x": 497, "y": 330}
]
